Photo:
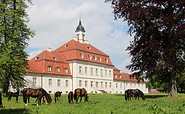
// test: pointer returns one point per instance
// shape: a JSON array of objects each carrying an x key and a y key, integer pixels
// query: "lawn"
[{"x": 100, "y": 104}]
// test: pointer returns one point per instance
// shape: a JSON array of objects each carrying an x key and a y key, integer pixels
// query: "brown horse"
[
  {"x": 13, "y": 94},
  {"x": 70, "y": 97},
  {"x": 80, "y": 93},
  {"x": 57, "y": 96},
  {"x": 35, "y": 93}
]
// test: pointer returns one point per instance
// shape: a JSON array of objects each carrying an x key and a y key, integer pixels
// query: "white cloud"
[{"x": 54, "y": 23}]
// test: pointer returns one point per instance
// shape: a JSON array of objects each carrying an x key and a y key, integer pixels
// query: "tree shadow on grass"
[{"x": 14, "y": 111}]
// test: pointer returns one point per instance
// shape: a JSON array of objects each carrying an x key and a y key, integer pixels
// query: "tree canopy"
[
  {"x": 14, "y": 34},
  {"x": 158, "y": 26}
]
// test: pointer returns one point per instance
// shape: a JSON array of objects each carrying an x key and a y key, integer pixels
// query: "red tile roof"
[
  {"x": 121, "y": 76},
  {"x": 72, "y": 50},
  {"x": 41, "y": 62}
]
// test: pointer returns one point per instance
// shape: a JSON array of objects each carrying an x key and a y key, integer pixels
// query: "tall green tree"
[
  {"x": 14, "y": 34},
  {"x": 158, "y": 27}
]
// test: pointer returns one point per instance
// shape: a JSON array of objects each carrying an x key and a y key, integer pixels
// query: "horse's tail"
[{"x": 126, "y": 95}]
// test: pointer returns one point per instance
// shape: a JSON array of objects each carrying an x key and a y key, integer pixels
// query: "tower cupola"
[{"x": 80, "y": 32}]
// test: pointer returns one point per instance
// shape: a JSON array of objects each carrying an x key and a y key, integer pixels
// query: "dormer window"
[
  {"x": 90, "y": 57},
  {"x": 88, "y": 48},
  {"x": 36, "y": 58},
  {"x": 82, "y": 55},
  {"x": 106, "y": 60},
  {"x": 66, "y": 70},
  {"x": 49, "y": 68},
  {"x": 95, "y": 58},
  {"x": 57, "y": 69},
  {"x": 66, "y": 45},
  {"x": 54, "y": 58},
  {"x": 100, "y": 59}
]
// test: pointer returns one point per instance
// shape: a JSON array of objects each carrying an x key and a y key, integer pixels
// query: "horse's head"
[{"x": 48, "y": 98}]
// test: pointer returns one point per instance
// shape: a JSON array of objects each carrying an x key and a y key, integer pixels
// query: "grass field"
[{"x": 101, "y": 104}]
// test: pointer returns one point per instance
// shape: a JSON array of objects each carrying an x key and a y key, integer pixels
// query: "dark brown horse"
[
  {"x": 70, "y": 97},
  {"x": 80, "y": 93},
  {"x": 35, "y": 93},
  {"x": 13, "y": 94},
  {"x": 57, "y": 96},
  {"x": 133, "y": 94}
]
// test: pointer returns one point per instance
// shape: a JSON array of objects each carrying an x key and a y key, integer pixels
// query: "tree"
[
  {"x": 158, "y": 27},
  {"x": 14, "y": 35}
]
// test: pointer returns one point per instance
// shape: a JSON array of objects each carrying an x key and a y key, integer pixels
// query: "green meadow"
[{"x": 100, "y": 104}]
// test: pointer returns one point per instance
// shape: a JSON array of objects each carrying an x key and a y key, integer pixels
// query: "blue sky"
[{"x": 55, "y": 21}]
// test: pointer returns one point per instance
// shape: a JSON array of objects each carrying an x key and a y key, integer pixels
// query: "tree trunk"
[
  {"x": 1, "y": 103},
  {"x": 172, "y": 92}
]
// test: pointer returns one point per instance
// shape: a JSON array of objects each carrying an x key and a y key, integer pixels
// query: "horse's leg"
[
  {"x": 80, "y": 98},
  {"x": 55, "y": 99},
  {"x": 39, "y": 101},
  {"x": 77, "y": 99}
]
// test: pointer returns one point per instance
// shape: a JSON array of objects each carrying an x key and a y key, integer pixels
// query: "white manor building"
[{"x": 78, "y": 64}]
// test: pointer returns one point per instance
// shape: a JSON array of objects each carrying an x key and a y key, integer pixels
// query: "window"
[
  {"x": 110, "y": 85},
  {"x": 101, "y": 84},
  {"x": 120, "y": 85},
  {"x": 110, "y": 73},
  {"x": 116, "y": 85},
  {"x": 95, "y": 58},
  {"x": 66, "y": 70},
  {"x": 67, "y": 83},
  {"x": 85, "y": 70},
  {"x": 80, "y": 70},
  {"x": 58, "y": 82},
  {"x": 90, "y": 57},
  {"x": 82, "y": 55},
  {"x": 105, "y": 84},
  {"x": 96, "y": 84},
  {"x": 80, "y": 83},
  {"x": 49, "y": 68},
  {"x": 57, "y": 69},
  {"x": 100, "y": 59},
  {"x": 101, "y": 72},
  {"x": 106, "y": 60},
  {"x": 91, "y": 83},
  {"x": 105, "y": 72},
  {"x": 86, "y": 84},
  {"x": 54, "y": 58},
  {"x": 50, "y": 82},
  {"x": 96, "y": 71},
  {"x": 91, "y": 71},
  {"x": 34, "y": 81}
]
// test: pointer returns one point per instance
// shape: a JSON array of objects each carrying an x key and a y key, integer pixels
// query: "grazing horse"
[
  {"x": 133, "y": 94},
  {"x": 70, "y": 97},
  {"x": 35, "y": 93},
  {"x": 57, "y": 96},
  {"x": 13, "y": 94},
  {"x": 80, "y": 93}
]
